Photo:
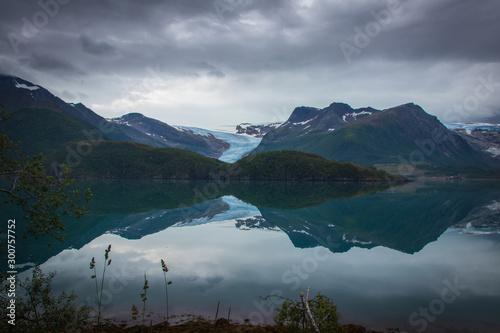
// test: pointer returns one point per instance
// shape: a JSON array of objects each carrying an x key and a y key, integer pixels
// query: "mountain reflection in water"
[{"x": 387, "y": 249}]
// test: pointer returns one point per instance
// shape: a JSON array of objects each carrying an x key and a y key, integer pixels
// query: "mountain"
[
  {"x": 257, "y": 131},
  {"x": 18, "y": 94},
  {"x": 46, "y": 130},
  {"x": 158, "y": 134},
  {"x": 401, "y": 135},
  {"x": 482, "y": 136},
  {"x": 119, "y": 159}
]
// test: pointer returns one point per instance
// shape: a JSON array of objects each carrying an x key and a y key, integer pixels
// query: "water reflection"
[
  {"x": 337, "y": 216},
  {"x": 380, "y": 252}
]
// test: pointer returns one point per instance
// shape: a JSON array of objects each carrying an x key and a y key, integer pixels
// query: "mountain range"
[
  {"x": 404, "y": 135},
  {"x": 18, "y": 95}
]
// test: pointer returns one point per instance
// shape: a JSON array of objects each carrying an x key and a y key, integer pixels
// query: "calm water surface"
[{"x": 421, "y": 256}]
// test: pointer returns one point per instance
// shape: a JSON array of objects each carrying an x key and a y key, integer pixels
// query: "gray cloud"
[
  {"x": 97, "y": 48},
  {"x": 216, "y": 73},
  {"x": 50, "y": 64},
  {"x": 287, "y": 52}
]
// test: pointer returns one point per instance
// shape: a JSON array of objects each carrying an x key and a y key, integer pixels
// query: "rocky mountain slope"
[
  {"x": 257, "y": 131},
  {"x": 159, "y": 134},
  {"x": 405, "y": 134},
  {"x": 483, "y": 137},
  {"x": 17, "y": 94}
]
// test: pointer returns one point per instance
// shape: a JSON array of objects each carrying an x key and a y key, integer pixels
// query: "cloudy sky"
[{"x": 208, "y": 63}]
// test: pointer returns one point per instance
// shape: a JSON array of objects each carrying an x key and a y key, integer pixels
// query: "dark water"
[{"x": 421, "y": 256}]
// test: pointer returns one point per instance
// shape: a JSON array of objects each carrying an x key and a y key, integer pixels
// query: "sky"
[{"x": 209, "y": 63}]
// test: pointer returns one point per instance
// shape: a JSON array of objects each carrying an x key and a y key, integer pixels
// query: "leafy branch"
[{"x": 44, "y": 199}]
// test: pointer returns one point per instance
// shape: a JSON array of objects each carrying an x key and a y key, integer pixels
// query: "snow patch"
[
  {"x": 494, "y": 151},
  {"x": 494, "y": 206},
  {"x": 186, "y": 130},
  {"x": 119, "y": 121},
  {"x": 303, "y": 122},
  {"x": 24, "y": 86},
  {"x": 354, "y": 240},
  {"x": 302, "y": 232},
  {"x": 354, "y": 115}
]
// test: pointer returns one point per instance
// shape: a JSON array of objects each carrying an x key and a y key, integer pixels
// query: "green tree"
[
  {"x": 308, "y": 315},
  {"x": 44, "y": 199},
  {"x": 38, "y": 309}
]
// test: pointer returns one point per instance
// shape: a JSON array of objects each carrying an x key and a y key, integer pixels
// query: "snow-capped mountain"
[
  {"x": 368, "y": 137},
  {"x": 482, "y": 136},
  {"x": 307, "y": 120},
  {"x": 159, "y": 134},
  {"x": 17, "y": 95}
]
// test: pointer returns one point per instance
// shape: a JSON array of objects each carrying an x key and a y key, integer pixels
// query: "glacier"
[{"x": 239, "y": 144}]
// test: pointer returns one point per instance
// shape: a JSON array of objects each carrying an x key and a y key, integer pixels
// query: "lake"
[{"x": 418, "y": 256}]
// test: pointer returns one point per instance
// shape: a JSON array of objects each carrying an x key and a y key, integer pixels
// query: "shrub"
[
  {"x": 39, "y": 310},
  {"x": 293, "y": 315}
]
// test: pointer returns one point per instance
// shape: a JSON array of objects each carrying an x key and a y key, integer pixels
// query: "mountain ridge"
[
  {"x": 366, "y": 136},
  {"x": 162, "y": 135},
  {"x": 370, "y": 137},
  {"x": 17, "y": 93}
]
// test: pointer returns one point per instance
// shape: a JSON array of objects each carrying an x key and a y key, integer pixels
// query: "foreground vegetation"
[{"x": 38, "y": 309}]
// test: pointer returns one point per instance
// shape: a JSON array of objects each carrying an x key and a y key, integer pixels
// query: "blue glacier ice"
[{"x": 240, "y": 144}]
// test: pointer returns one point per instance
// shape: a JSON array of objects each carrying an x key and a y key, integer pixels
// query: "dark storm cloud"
[
  {"x": 456, "y": 29},
  {"x": 49, "y": 63},
  {"x": 216, "y": 73},
  {"x": 97, "y": 48},
  {"x": 410, "y": 49},
  {"x": 446, "y": 30},
  {"x": 452, "y": 28}
]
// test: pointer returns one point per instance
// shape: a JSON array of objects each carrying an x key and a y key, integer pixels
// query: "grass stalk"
[
  {"x": 99, "y": 293},
  {"x": 167, "y": 283},
  {"x": 217, "y": 312},
  {"x": 144, "y": 298}
]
